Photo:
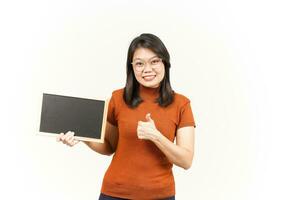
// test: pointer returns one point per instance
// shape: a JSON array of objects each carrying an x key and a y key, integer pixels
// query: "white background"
[{"x": 237, "y": 61}]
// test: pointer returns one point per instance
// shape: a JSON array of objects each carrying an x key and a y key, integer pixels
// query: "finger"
[
  {"x": 58, "y": 138},
  {"x": 141, "y": 123},
  {"x": 75, "y": 142},
  {"x": 70, "y": 137},
  {"x": 70, "y": 133},
  {"x": 63, "y": 137},
  {"x": 141, "y": 137},
  {"x": 148, "y": 117},
  {"x": 140, "y": 131}
]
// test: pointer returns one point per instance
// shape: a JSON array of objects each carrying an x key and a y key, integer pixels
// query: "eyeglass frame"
[{"x": 148, "y": 62}]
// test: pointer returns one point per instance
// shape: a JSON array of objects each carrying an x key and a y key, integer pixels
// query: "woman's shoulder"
[
  {"x": 180, "y": 98},
  {"x": 117, "y": 94},
  {"x": 118, "y": 91}
]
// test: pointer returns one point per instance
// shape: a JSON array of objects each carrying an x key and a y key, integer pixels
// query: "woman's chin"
[{"x": 149, "y": 84}]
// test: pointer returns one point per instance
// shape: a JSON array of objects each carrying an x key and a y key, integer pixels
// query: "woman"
[{"x": 144, "y": 118}]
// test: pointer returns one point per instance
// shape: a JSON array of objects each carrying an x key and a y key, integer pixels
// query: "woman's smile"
[{"x": 149, "y": 77}]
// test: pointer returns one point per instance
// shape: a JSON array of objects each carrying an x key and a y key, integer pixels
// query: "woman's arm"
[
  {"x": 110, "y": 142},
  {"x": 107, "y": 148},
  {"x": 181, "y": 153}
]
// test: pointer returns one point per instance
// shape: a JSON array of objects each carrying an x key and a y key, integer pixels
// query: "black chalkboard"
[{"x": 86, "y": 117}]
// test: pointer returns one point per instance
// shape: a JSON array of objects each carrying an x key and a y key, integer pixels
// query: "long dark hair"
[{"x": 131, "y": 90}]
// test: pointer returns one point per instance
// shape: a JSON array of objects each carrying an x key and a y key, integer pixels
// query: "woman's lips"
[{"x": 149, "y": 78}]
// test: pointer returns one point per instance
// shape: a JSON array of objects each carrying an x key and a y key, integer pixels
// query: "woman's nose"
[{"x": 147, "y": 68}]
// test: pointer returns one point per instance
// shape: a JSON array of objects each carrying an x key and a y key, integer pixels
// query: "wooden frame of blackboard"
[{"x": 45, "y": 121}]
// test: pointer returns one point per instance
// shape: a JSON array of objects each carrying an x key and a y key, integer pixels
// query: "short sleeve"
[
  {"x": 111, "y": 117},
  {"x": 186, "y": 117}
]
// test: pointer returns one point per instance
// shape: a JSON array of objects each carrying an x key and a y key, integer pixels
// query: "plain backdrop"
[{"x": 237, "y": 61}]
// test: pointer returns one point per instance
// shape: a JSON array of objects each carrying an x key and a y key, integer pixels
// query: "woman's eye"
[
  {"x": 156, "y": 61},
  {"x": 139, "y": 64}
]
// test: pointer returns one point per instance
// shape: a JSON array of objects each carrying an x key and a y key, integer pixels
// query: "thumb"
[{"x": 148, "y": 118}]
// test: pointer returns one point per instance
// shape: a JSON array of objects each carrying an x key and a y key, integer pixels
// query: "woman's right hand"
[{"x": 67, "y": 138}]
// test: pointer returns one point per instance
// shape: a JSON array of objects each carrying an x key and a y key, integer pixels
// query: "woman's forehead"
[{"x": 143, "y": 53}]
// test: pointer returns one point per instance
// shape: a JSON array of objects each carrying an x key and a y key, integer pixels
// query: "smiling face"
[{"x": 149, "y": 70}]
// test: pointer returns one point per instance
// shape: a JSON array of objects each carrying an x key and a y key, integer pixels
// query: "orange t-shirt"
[{"x": 139, "y": 170}]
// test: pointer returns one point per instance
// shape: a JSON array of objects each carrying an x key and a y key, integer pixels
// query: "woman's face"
[{"x": 149, "y": 70}]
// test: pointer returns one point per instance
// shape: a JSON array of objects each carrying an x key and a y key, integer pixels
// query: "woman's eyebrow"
[{"x": 143, "y": 59}]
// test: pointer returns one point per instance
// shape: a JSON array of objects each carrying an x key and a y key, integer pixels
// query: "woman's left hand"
[{"x": 147, "y": 130}]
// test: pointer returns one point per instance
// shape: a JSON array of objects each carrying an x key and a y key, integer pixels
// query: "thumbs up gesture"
[{"x": 146, "y": 130}]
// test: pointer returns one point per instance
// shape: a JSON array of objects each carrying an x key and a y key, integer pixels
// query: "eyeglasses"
[{"x": 139, "y": 65}]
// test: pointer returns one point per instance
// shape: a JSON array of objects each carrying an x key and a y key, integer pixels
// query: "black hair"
[{"x": 131, "y": 90}]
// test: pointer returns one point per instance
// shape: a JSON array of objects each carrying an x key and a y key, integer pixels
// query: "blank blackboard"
[{"x": 86, "y": 117}]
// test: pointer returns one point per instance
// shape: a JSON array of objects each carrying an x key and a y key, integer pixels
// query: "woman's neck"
[{"x": 147, "y": 93}]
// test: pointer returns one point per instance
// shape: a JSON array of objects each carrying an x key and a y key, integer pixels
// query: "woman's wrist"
[{"x": 158, "y": 137}]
